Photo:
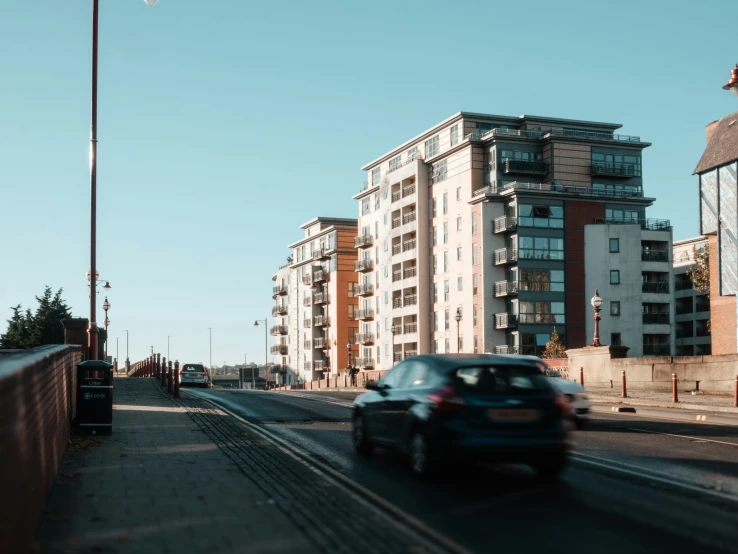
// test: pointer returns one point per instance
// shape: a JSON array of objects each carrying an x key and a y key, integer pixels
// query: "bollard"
[
  {"x": 625, "y": 389},
  {"x": 170, "y": 388},
  {"x": 157, "y": 376},
  {"x": 175, "y": 376},
  {"x": 735, "y": 395},
  {"x": 581, "y": 376},
  {"x": 674, "y": 391},
  {"x": 163, "y": 372}
]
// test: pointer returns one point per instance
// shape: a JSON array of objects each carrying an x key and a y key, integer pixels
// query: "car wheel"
[
  {"x": 581, "y": 423},
  {"x": 421, "y": 461},
  {"x": 552, "y": 468},
  {"x": 358, "y": 432}
]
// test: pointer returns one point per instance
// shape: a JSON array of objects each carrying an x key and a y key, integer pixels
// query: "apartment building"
[
  {"x": 692, "y": 307},
  {"x": 472, "y": 234},
  {"x": 315, "y": 302},
  {"x": 718, "y": 175}
]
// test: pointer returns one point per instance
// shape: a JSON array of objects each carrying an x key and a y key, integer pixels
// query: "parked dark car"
[{"x": 449, "y": 408}]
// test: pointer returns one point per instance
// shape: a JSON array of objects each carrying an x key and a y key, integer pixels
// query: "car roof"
[{"x": 454, "y": 361}]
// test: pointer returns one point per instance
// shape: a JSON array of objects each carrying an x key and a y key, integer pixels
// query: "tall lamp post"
[
  {"x": 106, "y": 307},
  {"x": 92, "y": 328},
  {"x": 210, "y": 363},
  {"x": 457, "y": 317},
  {"x": 168, "y": 337},
  {"x": 349, "y": 346},
  {"x": 394, "y": 330},
  {"x": 732, "y": 85},
  {"x": 128, "y": 362},
  {"x": 596, "y": 304},
  {"x": 264, "y": 322}
]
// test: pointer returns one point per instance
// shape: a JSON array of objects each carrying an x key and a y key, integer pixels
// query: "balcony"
[
  {"x": 411, "y": 328},
  {"x": 408, "y": 245},
  {"x": 646, "y": 224},
  {"x": 307, "y": 344},
  {"x": 396, "y": 276},
  {"x": 396, "y": 329},
  {"x": 364, "y": 314},
  {"x": 363, "y": 265},
  {"x": 279, "y": 290},
  {"x": 656, "y": 318},
  {"x": 506, "y": 256},
  {"x": 408, "y": 190},
  {"x": 654, "y": 256},
  {"x": 363, "y": 240},
  {"x": 279, "y": 349},
  {"x": 320, "y": 276},
  {"x": 605, "y": 169},
  {"x": 396, "y": 248},
  {"x": 321, "y": 365},
  {"x": 410, "y": 300},
  {"x": 321, "y": 320},
  {"x": 409, "y": 217},
  {"x": 506, "y": 349},
  {"x": 364, "y": 289},
  {"x": 319, "y": 343},
  {"x": 616, "y": 191},
  {"x": 365, "y": 363},
  {"x": 506, "y": 321},
  {"x": 307, "y": 279},
  {"x": 397, "y": 302},
  {"x": 656, "y": 350},
  {"x": 396, "y": 222},
  {"x": 509, "y": 167},
  {"x": 307, "y": 301},
  {"x": 658, "y": 287},
  {"x": 409, "y": 272},
  {"x": 364, "y": 338},
  {"x": 308, "y": 366},
  {"x": 280, "y": 309},
  {"x": 504, "y": 224},
  {"x": 410, "y": 353},
  {"x": 396, "y": 196},
  {"x": 397, "y": 357},
  {"x": 506, "y": 288},
  {"x": 279, "y": 330},
  {"x": 320, "y": 253},
  {"x": 320, "y": 298}
]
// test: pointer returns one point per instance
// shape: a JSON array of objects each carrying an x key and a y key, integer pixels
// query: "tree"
[
  {"x": 699, "y": 273},
  {"x": 555, "y": 347},
  {"x": 44, "y": 327}
]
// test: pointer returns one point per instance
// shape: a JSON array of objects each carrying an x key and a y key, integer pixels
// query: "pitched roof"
[{"x": 723, "y": 145}]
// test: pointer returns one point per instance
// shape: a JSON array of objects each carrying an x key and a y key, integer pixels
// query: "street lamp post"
[
  {"x": 106, "y": 307},
  {"x": 732, "y": 85},
  {"x": 392, "y": 328},
  {"x": 117, "y": 358},
  {"x": 128, "y": 362},
  {"x": 265, "y": 323},
  {"x": 596, "y": 303},
  {"x": 210, "y": 365},
  {"x": 168, "y": 337},
  {"x": 349, "y": 346},
  {"x": 457, "y": 317}
]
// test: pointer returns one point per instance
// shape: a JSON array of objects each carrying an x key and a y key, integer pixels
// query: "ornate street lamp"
[
  {"x": 596, "y": 304},
  {"x": 106, "y": 307},
  {"x": 349, "y": 346},
  {"x": 457, "y": 317},
  {"x": 732, "y": 85}
]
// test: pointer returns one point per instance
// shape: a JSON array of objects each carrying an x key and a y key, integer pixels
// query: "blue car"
[{"x": 441, "y": 409}]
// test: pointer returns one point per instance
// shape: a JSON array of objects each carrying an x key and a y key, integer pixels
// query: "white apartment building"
[{"x": 692, "y": 307}]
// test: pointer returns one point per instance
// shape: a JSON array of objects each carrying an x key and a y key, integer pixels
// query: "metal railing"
[
  {"x": 320, "y": 275},
  {"x": 321, "y": 320},
  {"x": 321, "y": 365},
  {"x": 279, "y": 330},
  {"x": 410, "y": 272},
  {"x": 506, "y": 349},
  {"x": 319, "y": 342},
  {"x": 364, "y": 362},
  {"x": 411, "y": 328},
  {"x": 364, "y": 338},
  {"x": 307, "y": 301},
  {"x": 363, "y": 240},
  {"x": 364, "y": 314},
  {"x": 363, "y": 265},
  {"x": 307, "y": 279},
  {"x": 307, "y": 344},
  {"x": 396, "y": 248},
  {"x": 396, "y": 196},
  {"x": 614, "y": 192},
  {"x": 659, "y": 287},
  {"x": 408, "y": 190},
  {"x": 505, "y": 288},
  {"x": 654, "y": 256},
  {"x": 410, "y": 300},
  {"x": 656, "y": 318},
  {"x": 410, "y": 353},
  {"x": 524, "y": 166},
  {"x": 613, "y": 169},
  {"x": 503, "y": 224},
  {"x": 506, "y": 321},
  {"x": 646, "y": 224},
  {"x": 408, "y": 245},
  {"x": 320, "y": 298},
  {"x": 279, "y": 349},
  {"x": 409, "y": 217},
  {"x": 591, "y": 135},
  {"x": 364, "y": 289},
  {"x": 505, "y": 255},
  {"x": 397, "y": 302},
  {"x": 409, "y": 159},
  {"x": 397, "y": 356},
  {"x": 396, "y": 329},
  {"x": 396, "y": 276},
  {"x": 396, "y": 222},
  {"x": 320, "y": 253},
  {"x": 279, "y": 290},
  {"x": 280, "y": 309},
  {"x": 307, "y": 323}
]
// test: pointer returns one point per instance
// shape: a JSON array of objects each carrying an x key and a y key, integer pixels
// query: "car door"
[
  {"x": 380, "y": 409},
  {"x": 400, "y": 401}
]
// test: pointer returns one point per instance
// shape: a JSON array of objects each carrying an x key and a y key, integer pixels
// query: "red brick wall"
[
  {"x": 37, "y": 405},
  {"x": 578, "y": 214},
  {"x": 722, "y": 308}
]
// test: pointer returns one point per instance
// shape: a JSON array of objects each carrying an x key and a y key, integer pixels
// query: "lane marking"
[
  {"x": 648, "y": 474},
  {"x": 700, "y": 439},
  {"x": 666, "y": 418},
  {"x": 411, "y": 523}
]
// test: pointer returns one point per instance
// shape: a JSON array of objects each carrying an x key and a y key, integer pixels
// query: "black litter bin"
[{"x": 95, "y": 397}]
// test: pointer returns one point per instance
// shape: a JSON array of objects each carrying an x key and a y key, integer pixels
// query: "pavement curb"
[
  {"x": 660, "y": 404},
  {"x": 671, "y": 414}
]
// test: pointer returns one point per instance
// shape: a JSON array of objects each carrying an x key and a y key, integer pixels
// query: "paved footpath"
[
  {"x": 159, "y": 484},
  {"x": 687, "y": 401}
]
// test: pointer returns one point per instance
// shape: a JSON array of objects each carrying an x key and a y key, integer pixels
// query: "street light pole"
[
  {"x": 596, "y": 303},
  {"x": 117, "y": 359},
  {"x": 106, "y": 307},
  {"x": 127, "y": 360},
  {"x": 265, "y": 323},
  {"x": 210, "y": 366},
  {"x": 457, "y": 317},
  {"x": 168, "y": 337}
]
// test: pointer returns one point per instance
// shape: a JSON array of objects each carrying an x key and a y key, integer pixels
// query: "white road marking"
[{"x": 682, "y": 436}]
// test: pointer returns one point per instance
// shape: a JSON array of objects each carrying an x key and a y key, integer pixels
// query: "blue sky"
[{"x": 225, "y": 125}]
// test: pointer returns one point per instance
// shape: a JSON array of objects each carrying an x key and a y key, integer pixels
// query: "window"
[
  {"x": 365, "y": 205},
  {"x": 439, "y": 173},
  {"x": 615, "y": 307},
  {"x": 412, "y": 154},
  {"x": 435, "y": 321},
  {"x": 458, "y": 224},
  {"x": 446, "y": 320},
  {"x": 433, "y": 206},
  {"x": 520, "y": 156},
  {"x": 541, "y": 312},
  {"x": 445, "y": 290},
  {"x": 435, "y": 235},
  {"x": 476, "y": 345},
  {"x": 458, "y": 193},
  {"x": 351, "y": 309},
  {"x": 445, "y": 203},
  {"x": 386, "y": 297},
  {"x": 375, "y": 176},
  {"x": 445, "y": 232},
  {"x": 334, "y": 263},
  {"x": 435, "y": 264},
  {"x": 534, "y": 215},
  {"x": 474, "y": 284},
  {"x": 447, "y": 347},
  {"x": 395, "y": 163},
  {"x": 614, "y": 276},
  {"x": 540, "y": 248},
  {"x": 445, "y": 261},
  {"x": 385, "y": 245},
  {"x": 615, "y": 339},
  {"x": 455, "y": 135},
  {"x": 431, "y": 147},
  {"x": 460, "y": 283},
  {"x": 541, "y": 280},
  {"x": 350, "y": 289},
  {"x": 614, "y": 246},
  {"x": 474, "y": 315},
  {"x": 615, "y": 164},
  {"x": 535, "y": 344},
  {"x": 435, "y": 292},
  {"x": 459, "y": 253},
  {"x": 474, "y": 223},
  {"x": 474, "y": 254},
  {"x": 376, "y": 203},
  {"x": 622, "y": 216},
  {"x": 376, "y": 231},
  {"x": 385, "y": 192}
]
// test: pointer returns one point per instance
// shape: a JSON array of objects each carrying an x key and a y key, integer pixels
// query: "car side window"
[
  {"x": 392, "y": 379},
  {"x": 415, "y": 376}
]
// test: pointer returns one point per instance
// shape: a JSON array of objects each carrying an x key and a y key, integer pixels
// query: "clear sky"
[{"x": 225, "y": 125}]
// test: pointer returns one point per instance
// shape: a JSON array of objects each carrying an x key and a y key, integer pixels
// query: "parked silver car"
[{"x": 193, "y": 374}]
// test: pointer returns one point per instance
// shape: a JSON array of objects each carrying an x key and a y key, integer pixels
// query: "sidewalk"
[
  {"x": 159, "y": 484},
  {"x": 687, "y": 401}
]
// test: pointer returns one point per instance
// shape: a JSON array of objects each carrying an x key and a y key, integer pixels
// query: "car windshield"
[
  {"x": 193, "y": 368},
  {"x": 502, "y": 380}
]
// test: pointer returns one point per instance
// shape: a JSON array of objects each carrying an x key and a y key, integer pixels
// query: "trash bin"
[{"x": 95, "y": 397}]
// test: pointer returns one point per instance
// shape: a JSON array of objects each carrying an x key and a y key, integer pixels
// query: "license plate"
[{"x": 512, "y": 415}]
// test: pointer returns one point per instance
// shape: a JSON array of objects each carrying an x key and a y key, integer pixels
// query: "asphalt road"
[{"x": 634, "y": 484}]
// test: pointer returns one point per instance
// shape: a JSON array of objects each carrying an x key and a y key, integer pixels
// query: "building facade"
[
  {"x": 718, "y": 174},
  {"x": 315, "y": 302},
  {"x": 472, "y": 235},
  {"x": 692, "y": 307}
]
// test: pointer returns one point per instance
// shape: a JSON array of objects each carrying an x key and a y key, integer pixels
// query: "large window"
[
  {"x": 540, "y": 248},
  {"x": 445, "y": 261},
  {"x": 534, "y": 215},
  {"x": 614, "y": 246},
  {"x": 412, "y": 154},
  {"x": 614, "y": 276},
  {"x": 616, "y": 189},
  {"x": 521, "y": 156},
  {"x": 455, "y": 135},
  {"x": 534, "y": 344},
  {"x": 431, "y": 147},
  {"x": 395, "y": 163},
  {"x": 474, "y": 223},
  {"x": 616, "y": 164},
  {"x": 622, "y": 216},
  {"x": 375, "y": 176},
  {"x": 541, "y": 312},
  {"x": 541, "y": 280},
  {"x": 439, "y": 172},
  {"x": 445, "y": 203}
]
